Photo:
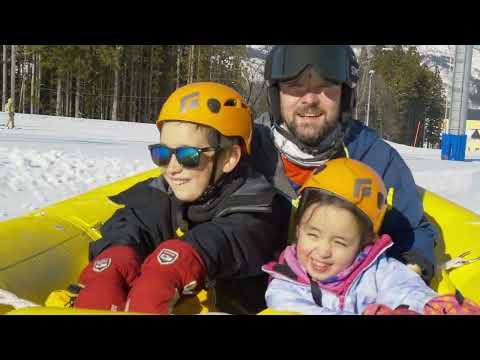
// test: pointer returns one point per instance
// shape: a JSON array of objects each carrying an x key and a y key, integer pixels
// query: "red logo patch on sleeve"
[
  {"x": 167, "y": 256},
  {"x": 102, "y": 264}
]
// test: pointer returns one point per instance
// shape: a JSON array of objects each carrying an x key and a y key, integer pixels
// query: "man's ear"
[{"x": 232, "y": 158}]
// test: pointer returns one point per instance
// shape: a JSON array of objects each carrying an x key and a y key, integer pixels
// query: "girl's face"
[
  {"x": 328, "y": 240},
  {"x": 187, "y": 184}
]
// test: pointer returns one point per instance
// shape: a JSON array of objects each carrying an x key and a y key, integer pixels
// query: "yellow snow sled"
[{"x": 46, "y": 250}]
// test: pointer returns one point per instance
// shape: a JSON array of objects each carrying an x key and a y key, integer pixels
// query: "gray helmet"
[{"x": 336, "y": 63}]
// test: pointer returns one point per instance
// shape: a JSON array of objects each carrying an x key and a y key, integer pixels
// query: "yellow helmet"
[
  {"x": 210, "y": 104},
  {"x": 354, "y": 182}
]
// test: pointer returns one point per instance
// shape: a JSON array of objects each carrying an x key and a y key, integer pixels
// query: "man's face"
[{"x": 310, "y": 106}]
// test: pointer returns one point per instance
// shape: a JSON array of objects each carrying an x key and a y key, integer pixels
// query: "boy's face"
[
  {"x": 328, "y": 240},
  {"x": 187, "y": 184}
]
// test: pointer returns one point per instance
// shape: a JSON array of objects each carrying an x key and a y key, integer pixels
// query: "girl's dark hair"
[{"x": 320, "y": 197}]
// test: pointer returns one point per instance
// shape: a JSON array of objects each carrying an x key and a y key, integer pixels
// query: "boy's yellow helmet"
[
  {"x": 210, "y": 104},
  {"x": 355, "y": 182}
]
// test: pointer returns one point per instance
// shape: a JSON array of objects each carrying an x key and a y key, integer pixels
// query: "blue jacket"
[
  {"x": 380, "y": 280},
  {"x": 413, "y": 235}
]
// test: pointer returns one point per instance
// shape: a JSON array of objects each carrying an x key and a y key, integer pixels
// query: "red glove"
[
  {"x": 174, "y": 268},
  {"x": 378, "y": 309},
  {"x": 451, "y": 305},
  {"x": 107, "y": 279}
]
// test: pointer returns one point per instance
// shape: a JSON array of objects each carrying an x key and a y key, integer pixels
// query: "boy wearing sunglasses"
[{"x": 208, "y": 221}]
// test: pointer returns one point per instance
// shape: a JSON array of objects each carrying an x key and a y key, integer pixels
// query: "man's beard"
[{"x": 322, "y": 130}]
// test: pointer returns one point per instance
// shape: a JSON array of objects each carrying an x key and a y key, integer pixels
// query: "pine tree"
[
  {"x": 127, "y": 82},
  {"x": 408, "y": 96}
]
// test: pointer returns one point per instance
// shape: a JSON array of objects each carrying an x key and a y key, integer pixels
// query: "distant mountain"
[
  {"x": 257, "y": 51},
  {"x": 432, "y": 55},
  {"x": 442, "y": 57}
]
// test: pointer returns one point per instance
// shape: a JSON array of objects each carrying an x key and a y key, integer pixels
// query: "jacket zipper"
[{"x": 342, "y": 297}]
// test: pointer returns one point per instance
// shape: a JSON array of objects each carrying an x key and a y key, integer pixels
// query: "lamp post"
[
  {"x": 370, "y": 74},
  {"x": 425, "y": 121},
  {"x": 449, "y": 78}
]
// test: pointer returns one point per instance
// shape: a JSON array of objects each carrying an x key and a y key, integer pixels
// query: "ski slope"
[{"x": 46, "y": 159}]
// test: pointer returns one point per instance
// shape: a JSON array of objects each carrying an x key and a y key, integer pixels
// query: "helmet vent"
[
  {"x": 230, "y": 102},
  {"x": 214, "y": 105},
  {"x": 380, "y": 200}
]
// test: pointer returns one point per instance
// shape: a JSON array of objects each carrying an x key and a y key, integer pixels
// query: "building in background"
[{"x": 472, "y": 130}]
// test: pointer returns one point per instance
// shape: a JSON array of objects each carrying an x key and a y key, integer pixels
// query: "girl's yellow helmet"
[{"x": 355, "y": 182}]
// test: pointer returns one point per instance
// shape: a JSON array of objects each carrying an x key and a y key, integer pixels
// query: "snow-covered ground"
[
  {"x": 458, "y": 181},
  {"x": 46, "y": 159}
]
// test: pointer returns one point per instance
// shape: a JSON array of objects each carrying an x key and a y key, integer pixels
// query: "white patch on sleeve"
[
  {"x": 167, "y": 257},
  {"x": 101, "y": 265}
]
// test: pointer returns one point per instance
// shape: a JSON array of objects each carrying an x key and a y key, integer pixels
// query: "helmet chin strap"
[
  {"x": 214, "y": 169},
  {"x": 333, "y": 140},
  {"x": 212, "y": 184},
  {"x": 323, "y": 146},
  {"x": 298, "y": 156}
]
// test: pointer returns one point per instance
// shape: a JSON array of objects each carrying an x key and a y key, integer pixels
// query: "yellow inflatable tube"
[
  {"x": 459, "y": 231},
  {"x": 46, "y": 249}
]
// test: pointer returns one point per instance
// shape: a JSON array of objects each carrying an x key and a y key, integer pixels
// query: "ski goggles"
[
  {"x": 288, "y": 61},
  {"x": 187, "y": 156}
]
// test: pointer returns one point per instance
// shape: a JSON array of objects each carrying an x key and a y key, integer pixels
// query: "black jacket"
[{"x": 235, "y": 232}]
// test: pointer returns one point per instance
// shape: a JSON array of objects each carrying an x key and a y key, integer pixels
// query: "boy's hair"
[
  {"x": 323, "y": 198},
  {"x": 214, "y": 137}
]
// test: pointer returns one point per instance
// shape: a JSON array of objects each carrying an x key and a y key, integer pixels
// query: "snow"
[
  {"x": 46, "y": 159},
  {"x": 455, "y": 180}
]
